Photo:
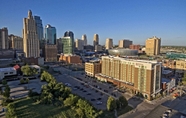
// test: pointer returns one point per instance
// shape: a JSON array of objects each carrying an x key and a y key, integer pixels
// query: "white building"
[{"x": 7, "y": 72}]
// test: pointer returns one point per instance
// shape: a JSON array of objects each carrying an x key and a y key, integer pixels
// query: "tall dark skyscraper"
[
  {"x": 39, "y": 27},
  {"x": 4, "y": 38},
  {"x": 96, "y": 40},
  {"x": 50, "y": 34}
]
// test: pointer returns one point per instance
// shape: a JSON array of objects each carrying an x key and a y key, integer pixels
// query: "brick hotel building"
[{"x": 137, "y": 75}]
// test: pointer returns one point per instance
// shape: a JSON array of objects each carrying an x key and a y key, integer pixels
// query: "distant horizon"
[{"x": 134, "y": 20}]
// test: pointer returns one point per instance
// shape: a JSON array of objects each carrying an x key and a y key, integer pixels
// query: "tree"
[
  {"x": 184, "y": 79},
  {"x": 4, "y": 82},
  {"x": 27, "y": 80},
  {"x": 80, "y": 113},
  {"x": 71, "y": 100},
  {"x": 26, "y": 70},
  {"x": 123, "y": 101},
  {"x": 10, "y": 111},
  {"x": 111, "y": 104},
  {"x": 118, "y": 104},
  {"x": 22, "y": 81},
  {"x": 6, "y": 93}
]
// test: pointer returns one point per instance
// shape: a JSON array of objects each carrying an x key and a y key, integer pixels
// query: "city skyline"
[{"x": 136, "y": 20}]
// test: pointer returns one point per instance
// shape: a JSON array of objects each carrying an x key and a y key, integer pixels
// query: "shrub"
[{"x": 22, "y": 81}]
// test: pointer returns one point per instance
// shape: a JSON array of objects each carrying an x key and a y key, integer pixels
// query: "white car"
[
  {"x": 67, "y": 84},
  {"x": 98, "y": 102}
]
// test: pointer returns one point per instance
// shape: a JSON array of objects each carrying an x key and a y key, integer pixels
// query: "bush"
[
  {"x": 22, "y": 81},
  {"x": 4, "y": 82}
]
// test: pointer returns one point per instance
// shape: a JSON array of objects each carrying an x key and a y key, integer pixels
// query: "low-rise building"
[
  {"x": 9, "y": 71},
  {"x": 92, "y": 68},
  {"x": 134, "y": 47},
  {"x": 181, "y": 66},
  {"x": 34, "y": 61},
  {"x": 70, "y": 59}
]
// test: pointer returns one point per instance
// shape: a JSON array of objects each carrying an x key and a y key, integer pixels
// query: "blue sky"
[{"x": 136, "y": 20}]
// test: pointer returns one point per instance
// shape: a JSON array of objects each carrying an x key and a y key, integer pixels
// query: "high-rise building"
[
  {"x": 30, "y": 38},
  {"x": 39, "y": 27},
  {"x": 16, "y": 42},
  {"x": 50, "y": 53},
  {"x": 71, "y": 35},
  {"x": 140, "y": 76},
  {"x": 79, "y": 44},
  {"x": 50, "y": 34},
  {"x": 4, "y": 38},
  {"x": 109, "y": 43},
  {"x": 124, "y": 43},
  {"x": 84, "y": 38},
  {"x": 152, "y": 46},
  {"x": 59, "y": 45},
  {"x": 96, "y": 40},
  {"x": 67, "y": 44}
]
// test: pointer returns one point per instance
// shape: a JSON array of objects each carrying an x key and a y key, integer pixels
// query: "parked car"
[{"x": 98, "y": 102}]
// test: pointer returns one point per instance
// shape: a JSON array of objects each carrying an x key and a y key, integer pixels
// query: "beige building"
[
  {"x": 4, "y": 38},
  {"x": 181, "y": 66},
  {"x": 140, "y": 76},
  {"x": 109, "y": 43},
  {"x": 50, "y": 53},
  {"x": 124, "y": 43},
  {"x": 30, "y": 38},
  {"x": 84, "y": 38},
  {"x": 152, "y": 46},
  {"x": 92, "y": 68},
  {"x": 79, "y": 44},
  {"x": 16, "y": 42},
  {"x": 96, "y": 40},
  {"x": 98, "y": 48}
]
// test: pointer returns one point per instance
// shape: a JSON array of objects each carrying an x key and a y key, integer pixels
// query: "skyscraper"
[
  {"x": 79, "y": 44},
  {"x": 124, "y": 43},
  {"x": 96, "y": 40},
  {"x": 67, "y": 45},
  {"x": 4, "y": 38},
  {"x": 71, "y": 35},
  {"x": 30, "y": 38},
  {"x": 84, "y": 38},
  {"x": 50, "y": 34},
  {"x": 109, "y": 43},
  {"x": 153, "y": 46},
  {"x": 39, "y": 27}
]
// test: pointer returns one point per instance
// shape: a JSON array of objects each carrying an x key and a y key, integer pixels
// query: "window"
[
  {"x": 6, "y": 73},
  {"x": 11, "y": 72}
]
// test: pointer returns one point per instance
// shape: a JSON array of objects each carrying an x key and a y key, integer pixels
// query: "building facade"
[
  {"x": 50, "y": 53},
  {"x": 124, "y": 43},
  {"x": 92, "y": 68},
  {"x": 70, "y": 59},
  {"x": 59, "y": 45},
  {"x": 79, "y": 44},
  {"x": 153, "y": 46},
  {"x": 140, "y": 76},
  {"x": 96, "y": 40},
  {"x": 134, "y": 47},
  {"x": 67, "y": 43},
  {"x": 39, "y": 27},
  {"x": 16, "y": 42},
  {"x": 30, "y": 38},
  {"x": 181, "y": 66},
  {"x": 109, "y": 44},
  {"x": 50, "y": 34},
  {"x": 98, "y": 48},
  {"x": 4, "y": 38},
  {"x": 84, "y": 38}
]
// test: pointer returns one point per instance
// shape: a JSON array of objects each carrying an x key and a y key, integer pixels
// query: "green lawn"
[{"x": 26, "y": 108}]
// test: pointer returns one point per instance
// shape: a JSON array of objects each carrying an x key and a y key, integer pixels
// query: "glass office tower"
[
  {"x": 39, "y": 27},
  {"x": 50, "y": 34}
]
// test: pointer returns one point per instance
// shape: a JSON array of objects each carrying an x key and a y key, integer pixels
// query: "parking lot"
[{"x": 93, "y": 95}]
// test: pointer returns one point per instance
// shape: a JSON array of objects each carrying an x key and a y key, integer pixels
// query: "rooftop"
[
  {"x": 7, "y": 69},
  {"x": 135, "y": 60}
]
